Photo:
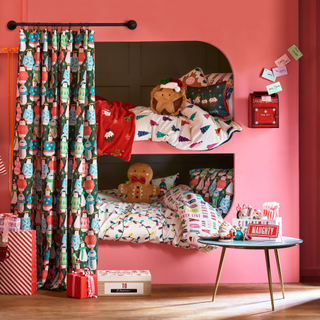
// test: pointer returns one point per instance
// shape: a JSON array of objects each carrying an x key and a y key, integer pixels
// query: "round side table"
[{"x": 266, "y": 245}]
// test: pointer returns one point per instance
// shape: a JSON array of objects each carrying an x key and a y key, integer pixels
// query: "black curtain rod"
[{"x": 11, "y": 25}]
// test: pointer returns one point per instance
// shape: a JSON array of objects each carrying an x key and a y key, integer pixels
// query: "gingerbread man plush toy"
[
  {"x": 139, "y": 189},
  {"x": 169, "y": 97}
]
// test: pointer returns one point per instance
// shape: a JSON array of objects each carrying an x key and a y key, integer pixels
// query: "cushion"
[
  {"x": 215, "y": 78},
  {"x": 197, "y": 216},
  {"x": 165, "y": 183},
  {"x": 139, "y": 189},
  {"x": 210, "y": 99},
  {"x": 215, "y": 186},
  {"x": 165, "y": 100},
  {"x": 194, "y": 78}
]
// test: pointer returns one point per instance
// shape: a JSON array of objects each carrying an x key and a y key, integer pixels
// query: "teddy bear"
[
  {"x": 168, "y": 98},
  {"x": 138, "y": 188}
]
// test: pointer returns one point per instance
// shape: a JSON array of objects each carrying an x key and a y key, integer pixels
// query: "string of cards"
[{"x": 280, "y": 70}]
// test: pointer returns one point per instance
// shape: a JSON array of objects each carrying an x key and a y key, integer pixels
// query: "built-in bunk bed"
[{"x": 196, "y": 190}]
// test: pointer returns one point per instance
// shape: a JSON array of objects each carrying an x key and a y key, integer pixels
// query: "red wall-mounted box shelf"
[{"x": 263, "y": 110}]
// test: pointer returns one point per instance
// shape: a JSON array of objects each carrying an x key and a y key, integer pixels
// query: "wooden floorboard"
[{"x": 190, "y": 301}]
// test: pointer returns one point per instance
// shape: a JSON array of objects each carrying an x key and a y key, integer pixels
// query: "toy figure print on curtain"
[{"x": 55, "y": 160}]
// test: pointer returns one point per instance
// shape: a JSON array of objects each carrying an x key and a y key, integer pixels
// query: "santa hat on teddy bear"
[{"x": 172, "y": 83}]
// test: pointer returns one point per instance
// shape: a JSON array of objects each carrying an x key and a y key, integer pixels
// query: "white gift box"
[
  {"x": 242, "y": 224},
  {"x": 124, "y": 283}
]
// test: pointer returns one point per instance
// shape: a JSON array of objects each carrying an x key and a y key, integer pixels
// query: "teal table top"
[{"x": 255, "y": 244}]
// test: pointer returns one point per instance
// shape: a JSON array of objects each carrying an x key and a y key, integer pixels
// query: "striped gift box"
[
  {"x": 18, "y": 273},
  {"x": 2, "y": 167}
]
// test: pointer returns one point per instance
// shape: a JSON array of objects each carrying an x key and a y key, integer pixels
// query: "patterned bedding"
[
  {"x": 193, "y": 129},
  {"x": 158, "y": 222}
]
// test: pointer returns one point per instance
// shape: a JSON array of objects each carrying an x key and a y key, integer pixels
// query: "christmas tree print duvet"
[{"x": 192, "y": 129}]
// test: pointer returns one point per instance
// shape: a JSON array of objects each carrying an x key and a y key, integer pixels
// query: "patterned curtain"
[{"x": 55, "y": 183}]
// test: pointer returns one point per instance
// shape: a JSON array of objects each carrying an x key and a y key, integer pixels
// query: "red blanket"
[{"x": 115, "y": 128}]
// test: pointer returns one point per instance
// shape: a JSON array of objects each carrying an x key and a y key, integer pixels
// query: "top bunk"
[{"x": 126, "y": 78}]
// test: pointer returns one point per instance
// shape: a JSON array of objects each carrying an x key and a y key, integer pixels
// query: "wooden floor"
[{"x": 240, "y": 301}]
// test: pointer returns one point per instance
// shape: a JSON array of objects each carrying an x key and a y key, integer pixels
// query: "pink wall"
[
  {"x": 309, "y": 17},
  {"x": 252, "y": 34}
]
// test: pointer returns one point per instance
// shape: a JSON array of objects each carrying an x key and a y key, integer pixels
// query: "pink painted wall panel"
[{"x": 252, "y": 34}]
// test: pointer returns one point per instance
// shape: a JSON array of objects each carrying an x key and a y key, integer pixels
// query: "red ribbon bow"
[
  {"x": 87, "y": 273},
  {"x": 136, "y": 179},
  {"x": 7, "y": 217}
]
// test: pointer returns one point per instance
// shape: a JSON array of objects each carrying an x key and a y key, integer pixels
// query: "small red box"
[
  {"x": 78, "y": 287},
  {"x": 263, "y": 110}
]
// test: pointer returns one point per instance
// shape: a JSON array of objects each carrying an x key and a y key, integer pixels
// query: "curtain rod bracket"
[{"x": 131, "y": 24}]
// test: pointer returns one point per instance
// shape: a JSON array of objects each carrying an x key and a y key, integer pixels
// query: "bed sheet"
[
  {"x": 141, "y": 222},
  {"x": 193, "y": 129}
]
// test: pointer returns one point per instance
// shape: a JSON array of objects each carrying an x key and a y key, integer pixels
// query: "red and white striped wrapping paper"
[
  {"x": 2, "y": 167},
  {"x": 18, "y": 273}
]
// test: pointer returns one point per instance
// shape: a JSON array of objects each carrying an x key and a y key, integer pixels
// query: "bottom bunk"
[{"x": 180, "y": 213}]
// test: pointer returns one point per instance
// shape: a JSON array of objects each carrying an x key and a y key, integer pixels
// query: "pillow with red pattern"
[
  {"x": 215, "y": 186},
  {"x": 216, "y": 78},
  {"x": 194, "y": 78},
  {"x": 210, "y": 99}
]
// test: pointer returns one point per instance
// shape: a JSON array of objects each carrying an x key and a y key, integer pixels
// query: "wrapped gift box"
[
  {"x": 14, "y": 224},
  {"x": 124, "y": 283},
  {"x": 242, "y": 224},
  {"x": 18, "y": 273},
  {"x": 81, "y": 285}
]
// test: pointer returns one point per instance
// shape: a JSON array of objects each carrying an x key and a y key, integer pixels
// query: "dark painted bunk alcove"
[
  {"x": 113, "y": 171},
  {"x": 128, "y": 71}
]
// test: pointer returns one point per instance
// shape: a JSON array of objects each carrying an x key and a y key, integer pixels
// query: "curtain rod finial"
[
  {"x": 132, "y": 24},
  {"x": 11, "y": 25}
]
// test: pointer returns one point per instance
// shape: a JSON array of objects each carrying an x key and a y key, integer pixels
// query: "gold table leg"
[
  {"x": 269, "y": 276},
  {"x": 219, "y": 272},
  {"x": 279, "y": 271}
]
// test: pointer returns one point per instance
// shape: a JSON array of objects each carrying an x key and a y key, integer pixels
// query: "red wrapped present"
[
  {"x": 4, "y": 253},
  {"x": 18, "y": 272},
  {"x": 9, "y": 222},
  {"x": 82, "y": 284}
]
